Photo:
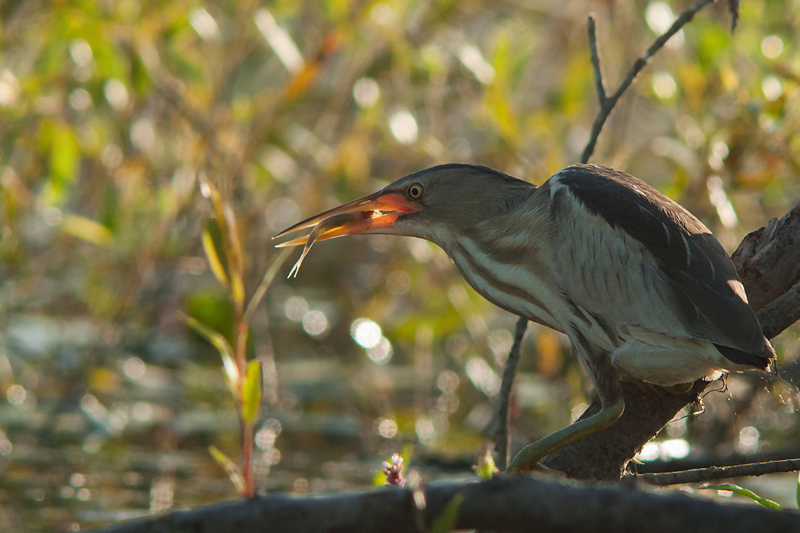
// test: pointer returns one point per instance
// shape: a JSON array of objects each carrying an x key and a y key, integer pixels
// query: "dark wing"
[{"x": 706, "y": 290}]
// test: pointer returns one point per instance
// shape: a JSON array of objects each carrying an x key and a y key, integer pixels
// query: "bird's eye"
[{"x": 415, "y": 191}]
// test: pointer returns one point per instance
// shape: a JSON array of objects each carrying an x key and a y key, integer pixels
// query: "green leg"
[{"x": 530, "y": 455}]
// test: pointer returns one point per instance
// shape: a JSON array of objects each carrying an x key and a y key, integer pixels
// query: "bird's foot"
[{"x": 528, "y": 457}]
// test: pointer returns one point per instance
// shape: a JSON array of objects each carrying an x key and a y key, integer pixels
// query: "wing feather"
[{"x": 690, "y": 288}]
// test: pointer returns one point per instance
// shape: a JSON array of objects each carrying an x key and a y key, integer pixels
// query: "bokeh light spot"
[
  {"x": 16, "y": 394},
  {"x": 404, "y": 126},
  {"x": 366, "y": 332},
  {"x": 366, "y": 92},
  {"x": 295, "y": 308},
  {"x": 134, "y": 368},
  {"x": 447, "y": 381},
  {"x": 387, "y": 428},
  {"x": 664, "y": 85},
  {"x": 772, "y": 88},
  {"x": 382, "y": 352},
  {"x": 772, "y": 46},
  {"x": 315, "y": 322}
]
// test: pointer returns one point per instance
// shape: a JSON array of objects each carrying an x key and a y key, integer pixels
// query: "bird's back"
[{"x": 648, "y": 262}]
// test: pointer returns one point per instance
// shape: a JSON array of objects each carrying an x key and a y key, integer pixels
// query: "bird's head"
[{"x": 429, "y": 204}]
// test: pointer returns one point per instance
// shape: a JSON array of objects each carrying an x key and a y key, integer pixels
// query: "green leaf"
[
  {"x": 65, "y": 158},
  {"x": 769, "y": 504},
  {"x": 214, "y": 309},
  {"x": 235, "y": 257},
  {"x": 266, "y": 281},
  {"x": 215, "y": 251},
  {"x": 797, "y": 492},
  {"x": 222, "y": 346},
  {"x": 228, "y": 241},
  {"x": 448, "y": 519},
  {"x": 88, "y": 230},
  {"x": 486, "y": 467},
  {"x": 230, "y": 468},
  {"x": 252, "y": 392}
]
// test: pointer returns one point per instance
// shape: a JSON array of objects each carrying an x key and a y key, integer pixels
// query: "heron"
[{"x": 639, "y": 285}]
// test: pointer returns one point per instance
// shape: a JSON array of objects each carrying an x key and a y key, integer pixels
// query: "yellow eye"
[{"x": 415, "y": 191}]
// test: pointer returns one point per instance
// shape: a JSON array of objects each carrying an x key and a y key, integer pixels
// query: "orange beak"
[{"x": 374, "y": 212}]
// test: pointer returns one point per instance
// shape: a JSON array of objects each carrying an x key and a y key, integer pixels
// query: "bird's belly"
[{"x": 663, "y": 360}]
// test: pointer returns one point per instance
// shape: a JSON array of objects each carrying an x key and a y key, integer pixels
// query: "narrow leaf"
[
  {"x": 211, "y": 241},
  {"x": 88, "y": 230},
  {"x": 221, "y": 344},
  {"x": 208, "y": 190},
  {"x": 235, "y": 257},
  {"x": 797, "y": 493},
  {"x": 448, "y": 518},
  {"x": 769, "y": 504},
  {"x": 252, "y": 392},
  {"x": 266, "y": 281},
  {"x": 230, "y": 468}
]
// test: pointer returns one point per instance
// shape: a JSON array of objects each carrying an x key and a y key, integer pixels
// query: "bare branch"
[
  {"x": 781, "y": 313},
  {"x": 608, "y": 103},
  {"x": 701, "y": 475},
  {"x": 768, "y": 259},
  {"x": 598, "y": 73},
  {"x": 500, "y": 433},
  {"x": 733, "y": 9}
]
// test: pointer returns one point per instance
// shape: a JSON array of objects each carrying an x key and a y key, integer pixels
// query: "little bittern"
[{"x": 638, "y": 284}]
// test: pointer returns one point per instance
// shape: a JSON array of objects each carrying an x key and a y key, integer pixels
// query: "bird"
[{"x": 641, "y": 288}]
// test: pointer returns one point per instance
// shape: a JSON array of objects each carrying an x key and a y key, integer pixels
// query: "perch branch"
[{"x": 516, "y": 503}]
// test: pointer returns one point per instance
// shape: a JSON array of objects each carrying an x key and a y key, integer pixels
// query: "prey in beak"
[{"x": 369, "y": 214}]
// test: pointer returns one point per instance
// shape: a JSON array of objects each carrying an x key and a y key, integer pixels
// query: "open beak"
[{"x": 368, "y": 214}]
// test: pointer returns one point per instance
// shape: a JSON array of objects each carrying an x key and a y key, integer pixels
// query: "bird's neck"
[{"x": 510, "y": 267}]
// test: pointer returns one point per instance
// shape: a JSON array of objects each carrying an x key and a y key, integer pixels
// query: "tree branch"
[
  {"x": 701, "y": 475},
  {"x": 516, "y": 503},
  {"x": 755, "y": 259},
  {"x": 607, "y": 104},
  {"x": 500, "y": 433}
]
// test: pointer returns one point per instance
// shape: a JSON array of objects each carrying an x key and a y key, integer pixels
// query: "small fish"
[{"x": 328, "y": 229}]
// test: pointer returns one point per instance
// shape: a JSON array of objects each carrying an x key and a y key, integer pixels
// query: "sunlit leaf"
[
  {"x": 269, "y": 276},
  {"x": 64, "y": 161},
  {"x": 230, "y": 468},
  {"x": 302, "y": 81},
  {"x": 215, "y": 251},
  {"x": 88, "y": 230},
  {"x": 447, "y": 520},
  {"x": 230, "y": 242},
  {"x": 252, "y": 392},
  {"x": 744, "y": 492},
  {"x": 797, "y": 491},
  {"x": 221, "y": 344},
  {"x": 235, "y": 257},
  {"x": 214, "y": 309}
]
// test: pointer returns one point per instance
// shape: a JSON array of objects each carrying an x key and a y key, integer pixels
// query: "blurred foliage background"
[{"x": 110, "y": 110}]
